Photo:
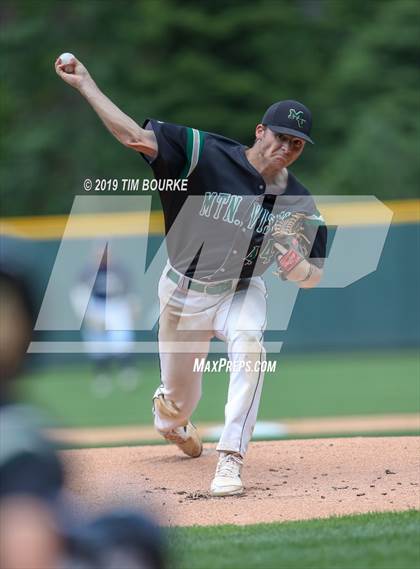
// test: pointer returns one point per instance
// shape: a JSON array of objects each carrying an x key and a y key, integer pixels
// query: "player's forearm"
[{"x": 125, "y": 129}]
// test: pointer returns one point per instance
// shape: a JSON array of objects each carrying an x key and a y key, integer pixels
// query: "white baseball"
[{"x": 66, "y": 58}]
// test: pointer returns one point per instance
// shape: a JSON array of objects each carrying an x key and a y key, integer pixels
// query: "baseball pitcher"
[{"x": 243, "y": 212}]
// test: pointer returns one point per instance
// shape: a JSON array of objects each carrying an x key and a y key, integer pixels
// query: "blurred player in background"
[{"x": 110, "y": 306}]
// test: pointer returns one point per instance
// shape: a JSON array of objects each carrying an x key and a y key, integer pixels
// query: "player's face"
[{"x": 279, "y": 149}]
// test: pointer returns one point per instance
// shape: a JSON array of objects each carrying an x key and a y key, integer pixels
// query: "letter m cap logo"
[{"x": 297, "y": 116}]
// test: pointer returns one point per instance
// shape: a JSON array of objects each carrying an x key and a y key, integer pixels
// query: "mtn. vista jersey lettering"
[{"x": 220, "y": 228}]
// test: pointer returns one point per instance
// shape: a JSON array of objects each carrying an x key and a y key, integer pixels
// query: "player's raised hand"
[{"x": 72, "y": 71}]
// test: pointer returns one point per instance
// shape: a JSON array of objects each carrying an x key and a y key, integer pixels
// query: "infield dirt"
[{"x": 284, "y": 480}]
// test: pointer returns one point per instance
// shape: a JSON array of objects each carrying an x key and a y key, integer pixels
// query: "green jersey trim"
[{"x": 195, "y": 143}]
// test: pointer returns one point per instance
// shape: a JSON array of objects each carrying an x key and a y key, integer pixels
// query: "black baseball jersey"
[{"x": 220, "y": 228}]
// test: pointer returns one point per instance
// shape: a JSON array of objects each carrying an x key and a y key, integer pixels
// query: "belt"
[{"x": 186, "y": 283}]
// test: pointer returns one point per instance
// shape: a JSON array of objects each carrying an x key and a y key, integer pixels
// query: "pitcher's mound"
[{"x": 284, "y": 480}]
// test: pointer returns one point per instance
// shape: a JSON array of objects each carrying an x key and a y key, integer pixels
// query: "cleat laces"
[{"x": 229, "y": 465}]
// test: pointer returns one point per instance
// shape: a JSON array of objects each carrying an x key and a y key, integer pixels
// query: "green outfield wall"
[{"x": 381, "y": 310}]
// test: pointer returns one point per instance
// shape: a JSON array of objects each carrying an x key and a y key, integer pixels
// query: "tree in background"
[
  {"x": 372, "y": 116},
  {"x": 215, "y": 65}
]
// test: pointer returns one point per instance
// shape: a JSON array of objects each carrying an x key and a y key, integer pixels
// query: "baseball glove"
[{"x": 291, "y": 243}]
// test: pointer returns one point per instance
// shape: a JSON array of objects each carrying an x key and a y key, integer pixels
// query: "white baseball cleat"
[
  {"x": 227, "y": 480},
  {"x": 186, "y": 438}
]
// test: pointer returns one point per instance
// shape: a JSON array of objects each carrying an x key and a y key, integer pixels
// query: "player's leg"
[
  {"x": 180, "y": 375},
  {"x": 102, "y": 381},
  {"x": 121, "y": 337},
  {"x": 242, "y": 325},
  {"x": 184, "y": 338}
]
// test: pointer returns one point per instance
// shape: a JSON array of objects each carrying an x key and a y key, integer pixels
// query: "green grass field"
[
  {"x": 309, "y": 386},
  {"x": 372, "y": 541},
  {"x": 303, "y": 386}
]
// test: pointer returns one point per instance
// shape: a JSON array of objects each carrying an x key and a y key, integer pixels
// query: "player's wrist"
[
  {"x": 301, "y": 273},
  {"x": 312, "y": 279},
  {"x": 87, "y": 87},
  {"x": 309, "y": 273}
]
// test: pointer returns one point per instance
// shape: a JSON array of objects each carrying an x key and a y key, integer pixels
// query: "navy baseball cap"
[{"x": 289, "y": 117}]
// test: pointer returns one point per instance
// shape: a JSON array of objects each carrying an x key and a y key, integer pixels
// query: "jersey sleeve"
[
  {"x": 319, "y": 245},
  {"x": 316, "y": 230},
  {"x": 172, "y": 148}
]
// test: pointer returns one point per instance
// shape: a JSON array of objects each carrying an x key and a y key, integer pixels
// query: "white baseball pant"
[{"x": 188, "y": 321}]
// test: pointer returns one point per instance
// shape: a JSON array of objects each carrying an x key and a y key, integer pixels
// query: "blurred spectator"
[
  {"x": 120, "y": 539},
  {"x": 37, "y": 530},
  {"x": 31, "y": 476},
  {"x": 110, "y": 305}
]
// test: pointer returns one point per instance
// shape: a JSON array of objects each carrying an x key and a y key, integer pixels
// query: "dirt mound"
[
  {"x": 315, "y": 426},
  {"x": 285, "y": 480}
]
